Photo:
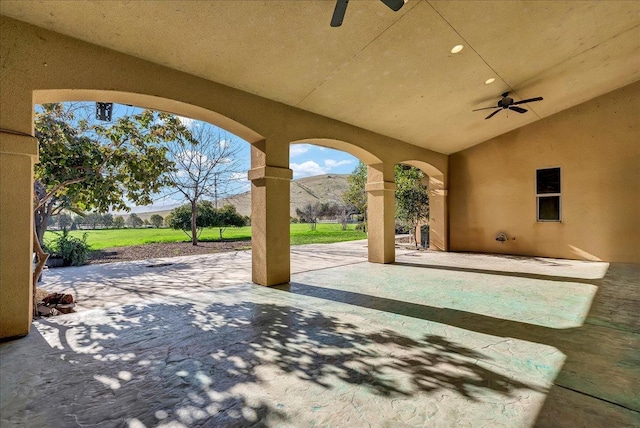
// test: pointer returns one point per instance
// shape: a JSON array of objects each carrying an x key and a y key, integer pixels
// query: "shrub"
[{"x": 73, "y": 250}]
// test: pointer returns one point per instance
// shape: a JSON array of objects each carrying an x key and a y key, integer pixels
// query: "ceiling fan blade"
[
  {"x": 394, "y": 5},
  {"x": 484, "y": 108},
  {"x": 530, "y": 100},
  {"x": 518, "y": 109},
  {"x": 492, "y": 114},
  {"x": 338, "y": 13}
]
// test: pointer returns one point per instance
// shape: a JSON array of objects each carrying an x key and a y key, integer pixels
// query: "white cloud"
[
  {"x": 307, "y": 169},
  {"x": 187, "y": 121},
  {"x": 330, "y": 163},
  {"x": 238, "y": 176},
  {"x": 298, "y": 149}
]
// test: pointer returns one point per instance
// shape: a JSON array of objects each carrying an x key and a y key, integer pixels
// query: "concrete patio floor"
[{"x": 436, "y": 339}]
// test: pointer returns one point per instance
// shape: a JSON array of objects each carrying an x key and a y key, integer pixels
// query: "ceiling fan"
[
  {"x": 341, "y": 8},
  {"x": 506, "y": 103}
]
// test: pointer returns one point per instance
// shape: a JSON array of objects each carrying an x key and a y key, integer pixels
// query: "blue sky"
[{"x": 305, "y": 160}]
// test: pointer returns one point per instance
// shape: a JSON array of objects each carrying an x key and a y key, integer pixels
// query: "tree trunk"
[
  {"x": 41, "y": 221},
  {"x": 194, "y": 216},
  {"x": 42, "y": 261}
]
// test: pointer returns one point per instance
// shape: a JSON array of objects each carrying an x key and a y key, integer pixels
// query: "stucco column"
[
  {"x": 438, "y": 215},
  {"x": 18, "y": 153},
  {"x": 381, "y": 213},
  {"x": 270, "y": 200}
]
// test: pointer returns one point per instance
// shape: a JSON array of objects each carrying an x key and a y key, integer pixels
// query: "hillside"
[{"x": 320, "y": 188}]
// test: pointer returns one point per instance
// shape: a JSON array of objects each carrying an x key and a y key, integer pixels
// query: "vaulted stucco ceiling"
[{"x": 388, "y": 72}]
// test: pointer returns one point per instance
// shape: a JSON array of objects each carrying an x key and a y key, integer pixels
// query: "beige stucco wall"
[
  {"x": 17, "y": 155},
  {"x": 597, "y": 146},
  {"x": 40, "y": 66}
]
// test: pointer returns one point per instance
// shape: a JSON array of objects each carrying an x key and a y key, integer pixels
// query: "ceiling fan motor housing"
[{"x": 505, "y": 102}]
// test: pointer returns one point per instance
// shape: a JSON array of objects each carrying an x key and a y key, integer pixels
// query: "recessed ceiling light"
[
  {"x": 489, "y": 81},
  {"x": 457, "y": 48}
]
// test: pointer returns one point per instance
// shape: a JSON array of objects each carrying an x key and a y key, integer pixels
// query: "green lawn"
[{"x": 300, "y": 234}]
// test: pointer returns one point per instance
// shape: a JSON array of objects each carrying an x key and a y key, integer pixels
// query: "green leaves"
[
  {"x": 207, "y": 216},
  {"x": 412, "y": 200},
  {"x": 98, "y": 166},
  {"x": 356, "y": 194}
]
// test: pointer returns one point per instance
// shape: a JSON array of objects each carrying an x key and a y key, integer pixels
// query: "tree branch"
[{"x": 53, "y": 191}]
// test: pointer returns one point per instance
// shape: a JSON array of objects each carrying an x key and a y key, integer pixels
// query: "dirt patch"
[{"x": 169, "y": 249}]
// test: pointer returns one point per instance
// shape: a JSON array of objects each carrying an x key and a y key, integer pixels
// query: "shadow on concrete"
[
  {"x": 500, "y": 273},
  {"x": 162, "y": 363},
  {"x": 601, "y": 361}
]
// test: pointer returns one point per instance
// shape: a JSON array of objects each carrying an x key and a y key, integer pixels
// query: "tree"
[
  {"x": 64, "y": 221},
  {"x": 84, "y": 165},
  {"x": 118, "y": 222},
  {"x": 93, "y": 220},
  {"x": 157, "y": 220},
  {"x": 181, "y": 218},
  {"x": 309, "y": 214},
  {"x": 107, "y": 220},
  {"x": 412, "y": 200},
  {"x": 205, "y": 166},
  {"x": 168, "y": 220},
  {"x": 340, "y": 208},
  {"x": 344, "y": 211},
  {"x": 134, "y": 221},
  {"x": 356, "y": 195},
  {"x": 227, "y": 216},
  {"x": 77, "y": 222},
  {"x": 88, "y": 165}
]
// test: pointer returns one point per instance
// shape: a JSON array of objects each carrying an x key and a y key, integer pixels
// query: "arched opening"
[
  {"x": 328, "y": 199},
  {"x": 149, "y": 102},
  {"x": 435, "y": 182},
  {"x": 354, "y": 150},
  {"x": 177, "y": 109}
]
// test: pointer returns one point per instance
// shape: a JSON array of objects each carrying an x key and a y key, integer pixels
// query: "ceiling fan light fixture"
[
  {"x": 456, "y": 49},
  {"x": 490, "y": 81}
]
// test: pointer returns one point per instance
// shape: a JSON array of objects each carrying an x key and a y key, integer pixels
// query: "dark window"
[
  {"x": 548, "y": 180},
  {"x": 548, "y": 194}
]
